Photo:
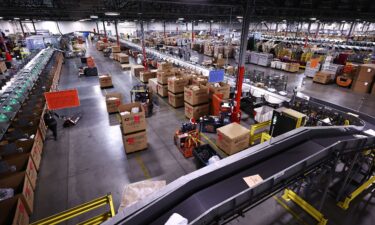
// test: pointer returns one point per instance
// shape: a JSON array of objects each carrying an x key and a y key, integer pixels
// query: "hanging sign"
[
  {"x": 62, "y": 99},
  {"x": 216, "y": 76}
]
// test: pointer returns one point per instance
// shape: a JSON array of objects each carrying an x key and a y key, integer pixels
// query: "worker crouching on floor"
[{"x": 51, "y": 122}]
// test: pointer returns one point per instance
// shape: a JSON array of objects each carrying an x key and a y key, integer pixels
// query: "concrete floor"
[{"x": 88, "y": 160}]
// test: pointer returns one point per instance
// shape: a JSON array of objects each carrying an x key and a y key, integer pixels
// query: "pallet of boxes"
[
  {"x": 364, "y": 79},
  {"x": 165, "y": 71},
  {"x": 113, "y": 101},
  {"x": 145, "y": 76},
  {"x": 133, "y": 127},
  {"x": 176, "y": 87},
  {"x": 196, "y": 101},
  {"x": 136, "y": 70},
  {"x": 105, "y": 81},
  {"x": 233, "y": 138}
]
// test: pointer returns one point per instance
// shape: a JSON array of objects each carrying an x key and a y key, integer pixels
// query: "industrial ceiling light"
[
  {"x": 343, "y": 21},
  {"x": 27, "y": 19},
  {"x": 94, "y": 17},
  {"x": 200, "y": 20},
  {"x": 112, "y": 13},
  {"x": 180, "y": 18},
  {"x": 16, "y": 18},
  {"x": 284, "y": 21},
  {"x": 239, "y": 17},
  {"x": 313, "y": 18},
  {"x": 1, "y": 17}
]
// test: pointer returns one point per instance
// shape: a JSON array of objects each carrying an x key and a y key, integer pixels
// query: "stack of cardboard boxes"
[
  {"x": 323, "y": 77},
  {"x": 113, "y": 101},
  {"x": 196, "y": 101},
  {"x": 221, "y": 87},
  {"x": 363, "y": 81},
  {"x": 165, "y": 70},
  {"x": 133, "y": 127},
  {"x": 145, "y": 76},
  {"x": 176, "y": 87},
  {"x": 137, "y": 69},
  {"x": 105, "y": 81},
  {"x": 3, "y": 67},
  {"x": 116, "y": 49}
]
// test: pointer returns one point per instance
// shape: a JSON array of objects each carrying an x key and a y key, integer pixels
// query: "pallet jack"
[
  {"x": 187, "y": 138},
  {"x": 142, "y": 94}
]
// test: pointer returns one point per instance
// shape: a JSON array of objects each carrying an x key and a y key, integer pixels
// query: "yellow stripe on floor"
[{"x": 144, "y": 169}]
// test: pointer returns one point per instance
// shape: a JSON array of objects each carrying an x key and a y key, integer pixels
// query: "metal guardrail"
[{"x": 81, "y": 209}]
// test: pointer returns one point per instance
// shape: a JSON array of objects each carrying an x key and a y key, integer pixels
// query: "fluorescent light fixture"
[
  {"x": 312, "y": 18},
  {"x": 135, "y": 20},
  {"x": 181, "y": 18},
  {"x": 94, "y": 17},
  {"x": 239, "y": 17},
  {"x": 284, "y": 21},
  {"x": 343, "y": 21},
  {"x": 200, "y": 20},
  {"x": 16, "y": 18},
  {"x": 1, "y": 17},
  {"x": 27, "y": 19},
  {"x": 212, "y": 21},
  {"x": 112, "y": 13}
]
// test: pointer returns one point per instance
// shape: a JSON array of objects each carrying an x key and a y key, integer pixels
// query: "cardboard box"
[
  {"x": 123, "y": 58},
  {"x": 163, "y": 90},
  {"x": 144, "y": 76},
  {"x": 136, "y": 70},
  {"x": 322, "y": 77},
  {"x": 116, "y": 49},
  {"x": 229, "y": 70},
  {"x": 3, "y": 67},
  {"x": 195, "y": 96},
  {"x": 177, "y": 84},
  {"x": 13, "y": 211},
  {"x": 223, "y": 89},
  {"x": 199, "y": 80},
  {"x": 366, "y": 73},
  {"x": 21, "y": 185},
  {"x": 105, "y": 80},
  {"x": 126, "y": 67},
  {"x": 37, "y": 150},
  {"x": 112, "y": 101},
  {"x": 373, "y": 89},
  {"x": 176, "y": 100},
  {"x": 196, "y": 111},
  {"x": 361, "y": 86},
  {"x": 164, "y": 75},
  {"x": 220, "y": 62},
  {"x": 165, "y": 66},
  {"x": 232, "y": 138},
  {"x": 135, "y": 142},
  {"x": 21, "y": 162},
  {"x": 132, "y": 122},
  {"x": 153, "y": 85}
]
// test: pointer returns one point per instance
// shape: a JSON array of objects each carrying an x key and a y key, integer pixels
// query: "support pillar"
[
  {"x": 97, "y": 27},
  {"x": 143, "y": 46},
  {"x": 105, "y": 32},
  {"x": 23, "y": 32},
  {"x": 236, "y": 116},
  {"x": 192, "y": 33},
  {"x": 350, "y": 31},
  {"x": 317, "y": 30},
  {"x": 308, "y": 29},
  {"x": 32, "y": 21},
  {"x": 210, "y": 28},
  {"x": 117, "y": 37},
  {"x": 164, "y": 29}
]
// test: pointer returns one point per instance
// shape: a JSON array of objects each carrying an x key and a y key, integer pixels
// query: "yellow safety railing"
[
  {"x": 265, "y": 137},
  {"x": 311, "y": 210},
  {"x": 81, "y": 209},
  {"x": 345, "y": 204},
  {"x": 254, "y": 135}
]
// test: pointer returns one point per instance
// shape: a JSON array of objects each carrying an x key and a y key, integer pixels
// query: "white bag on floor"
[{"x": 176, "y": 219}]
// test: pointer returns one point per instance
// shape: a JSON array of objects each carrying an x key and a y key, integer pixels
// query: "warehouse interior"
[{"x": 187, "y": 112}]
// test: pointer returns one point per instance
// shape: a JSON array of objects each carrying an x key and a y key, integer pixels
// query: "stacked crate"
[
  {"x": 145, "y": 76},
  {"x": 165, "y": 70},
  {"x": 133, "y": 127},
  {"x": 176, "y": 87},
  {"x": 196, "y": 101}
]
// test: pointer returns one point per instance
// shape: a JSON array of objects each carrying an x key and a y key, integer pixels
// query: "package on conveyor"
[
  {"x": 220, "y": 87},
  {"x": 165, "y": 66},
  {"x": 176, "y": 84},
  {"x": 144, "y": 76},
  {"x": 113, "y": 100},
  {"x": 136, "y": 70},
  {"x": 105, "y": 81},
  {"x": 133, "y": 117},
  {"x": 13, "y": 211},
  {"x": 196, "y": 94},
  {"x": 232, "y": 138}
]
